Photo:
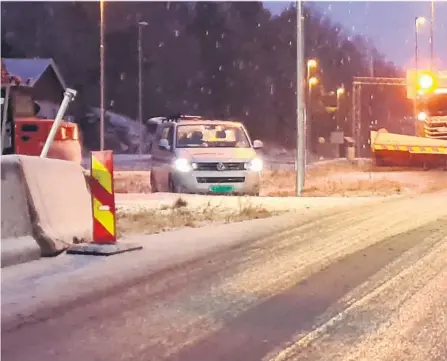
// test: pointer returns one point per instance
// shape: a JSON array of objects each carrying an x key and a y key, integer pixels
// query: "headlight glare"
[
  {"x": 422, "y": 116},
  {"x": 182, "y": 165},
  {"x": 255, "y": 165}
]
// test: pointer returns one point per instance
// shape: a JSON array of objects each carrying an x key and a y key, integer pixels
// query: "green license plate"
[{"x": 222, "y": 189}]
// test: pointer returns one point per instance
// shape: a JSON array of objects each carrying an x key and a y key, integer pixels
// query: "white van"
[{"x": 194, "y": 155}]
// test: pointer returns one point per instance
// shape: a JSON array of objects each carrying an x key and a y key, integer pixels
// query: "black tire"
[
  {"x": 153, "y": 184},
  {"x": 171, "y": 186}
]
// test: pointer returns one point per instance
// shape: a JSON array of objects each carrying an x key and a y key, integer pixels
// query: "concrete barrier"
[
  {"x": 45, "y": 198},
  {"x": 59, "y": 201},
  {"x": 17, "y": 245}
]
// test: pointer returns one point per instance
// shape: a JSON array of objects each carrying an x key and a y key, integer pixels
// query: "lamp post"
[
  {"x": 310, "y": 81},
  {"x": 102, "y": 75},
  {"x": 340, "y": 92},
  {"x": 300, "y": 109},
  {"x": 432, "y": 21},
  {"x": 141, "y": 24},
  {"x": 311, "y": 64},
  {"x": 419, "y": 21}
]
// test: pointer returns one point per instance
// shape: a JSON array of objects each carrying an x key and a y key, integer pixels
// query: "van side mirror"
[
  {"x": 257, "y": 144},
  {"x": 164, "y": 144}
]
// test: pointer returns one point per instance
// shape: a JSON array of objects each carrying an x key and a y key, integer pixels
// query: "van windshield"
[{"x": 211, "y": 136}]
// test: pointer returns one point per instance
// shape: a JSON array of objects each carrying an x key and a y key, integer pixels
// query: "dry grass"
[
  {"x": 151, "y": 221},
  {"x": 321, "y": 183},
  {"x": 132, "y": 182},
  {"x": 339, "y": 188},
  {"x": 321, "y": 180}
]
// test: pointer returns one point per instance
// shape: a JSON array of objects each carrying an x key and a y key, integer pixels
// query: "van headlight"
[
  {"x": 255, "y": 165},
  {"x": 183, "y": 165}
]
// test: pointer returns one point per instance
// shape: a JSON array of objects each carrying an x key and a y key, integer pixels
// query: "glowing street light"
[
  {"x": 420, "y": 21},
  {"x": 340, "y": 92},
  {"x": 312, "y": 63},
  {"x": 312, "y": 82}
]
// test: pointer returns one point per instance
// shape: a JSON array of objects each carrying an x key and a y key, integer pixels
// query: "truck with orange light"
[
  {"x": 431, "y": 105},
  {"x": 428, "y": 148}
]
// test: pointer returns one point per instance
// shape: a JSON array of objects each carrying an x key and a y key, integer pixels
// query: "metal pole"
[
  {"x": 432, "y": 20},
  {"x": 300, "y": 109},
  {"x": 307, "y": 113},
  {"x": 102, "y": 75},
  {"x": 5, "y": 101},
  {"x": 69, "y": 96},
  {"x": 140, "y": 88},
  {"x": 338, "y": 111},
  {"x": 416, "y": 65}
]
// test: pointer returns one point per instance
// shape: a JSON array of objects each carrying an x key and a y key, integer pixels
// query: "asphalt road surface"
[{"x": 357, "y": 285}]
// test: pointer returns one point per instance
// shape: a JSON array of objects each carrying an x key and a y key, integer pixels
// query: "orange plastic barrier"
[{"x": 31, "y": 134}]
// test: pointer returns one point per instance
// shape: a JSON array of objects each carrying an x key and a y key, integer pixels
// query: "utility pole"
[
  {"x": 300, "y": 109},
  {"x": 102, "y": 75},
  {"x": 140, "y": 83}
]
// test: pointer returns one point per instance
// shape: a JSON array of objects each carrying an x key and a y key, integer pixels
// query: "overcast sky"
[{"x": 390, "y": 25}]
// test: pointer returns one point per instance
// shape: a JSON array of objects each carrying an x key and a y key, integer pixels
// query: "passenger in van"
[
  {"x": 196, "y": 138},
  {"x": 183, "y": 139}
]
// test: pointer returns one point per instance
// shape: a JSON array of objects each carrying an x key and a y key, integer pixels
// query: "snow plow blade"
[{"x": 403, "y": 150}]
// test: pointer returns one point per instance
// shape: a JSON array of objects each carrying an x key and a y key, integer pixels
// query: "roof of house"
[{"x": 30, "y": 70}]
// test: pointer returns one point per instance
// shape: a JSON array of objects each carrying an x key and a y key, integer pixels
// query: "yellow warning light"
[{"x": 426, "y": 81}]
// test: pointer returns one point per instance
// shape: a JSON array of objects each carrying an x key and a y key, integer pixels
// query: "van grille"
[
  {"x": 220, "y": 179},
  {"x": 213, "y": 166}
]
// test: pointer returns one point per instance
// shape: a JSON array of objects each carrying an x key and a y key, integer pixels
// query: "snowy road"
[{"x": 362, "y": 284}]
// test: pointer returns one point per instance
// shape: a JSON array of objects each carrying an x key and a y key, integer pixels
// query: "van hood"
[{"x": 217, "y": 154}]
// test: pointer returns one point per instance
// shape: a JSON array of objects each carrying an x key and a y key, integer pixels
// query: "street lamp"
[
  {"x": 102, "y": 75},
  {"x": 311, "y": 64},
  {"x": 311, "y": 82},
  {"x": 432, "y": 21},
  {"x": 419, "y": 21},
  {"x": 141, "y": 24},
  {"x": 340, "y": 92},
  {"x": 300, "y": 109}
]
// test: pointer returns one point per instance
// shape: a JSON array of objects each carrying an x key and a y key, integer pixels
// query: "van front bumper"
[{"x": 203, "y": 182}]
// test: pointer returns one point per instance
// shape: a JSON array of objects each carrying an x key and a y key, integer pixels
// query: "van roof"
[
  {"x": 191, "y": 120},
  {"x": 208, "y": 122}
]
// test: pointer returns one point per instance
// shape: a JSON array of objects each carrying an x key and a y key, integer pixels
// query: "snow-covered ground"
[{"x": 136, "y": 202}]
